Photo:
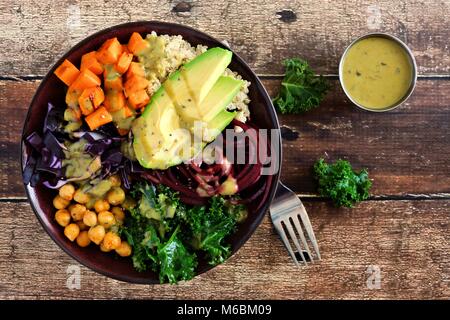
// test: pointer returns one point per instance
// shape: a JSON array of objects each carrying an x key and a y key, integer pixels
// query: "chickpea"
[
  {"x": 77, "y": 211},
  {"x": 72, "y": 231},
  {"x": 111, "y": 241},
  {"x": 67, "y": 191},
  {"x": 103, "y": 248},
  {"x": 106, "y": 219},
  {"x": 82, "y": 225},
  {"x": 62, "y": 216},
  {"x": 101, "y": 205},
  {"x": 115, "y": 196},
  {"x": 115, "y": 180},
  {"x": 83, "y": 239},
  {"x": 124, "y": 250},
  {"x": 81, "y": 197},
  {"x": 90, "y": 218},
  {"x": 60, "y": 203},
  {"x": 96, "y": 234},
  {"x": 118, "y": 214},
  {"x": 129, "y": 203}
]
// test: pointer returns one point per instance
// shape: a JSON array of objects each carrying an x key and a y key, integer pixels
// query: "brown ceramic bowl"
[{"x": 53, "y": 90}]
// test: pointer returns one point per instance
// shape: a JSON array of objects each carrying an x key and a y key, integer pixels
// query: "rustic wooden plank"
[
  {"x": 406, "y": 150},
  {"x": 407, "y": 240},
  {"x": 264, "y": 33}
]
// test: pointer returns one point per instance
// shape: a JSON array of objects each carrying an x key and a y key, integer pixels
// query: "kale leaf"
[
  {"x": 176, "y": 263},
  {"x": 341, "y": 183},
  {"x": 163, "y": 231},
  {"x": 300, "y": 90},
  {"x": 209, "y": 227}
]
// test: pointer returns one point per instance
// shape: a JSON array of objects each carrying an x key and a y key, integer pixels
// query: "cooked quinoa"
[{"x": 168, "y": 53}]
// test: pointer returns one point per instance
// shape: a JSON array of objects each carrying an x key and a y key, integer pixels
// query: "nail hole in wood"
[{"x": 287, "y": 15}]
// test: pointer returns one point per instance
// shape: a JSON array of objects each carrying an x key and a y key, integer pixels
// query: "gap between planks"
[
  {"x": 315, "y": 197},
  {"x": 261, "y": 76}
]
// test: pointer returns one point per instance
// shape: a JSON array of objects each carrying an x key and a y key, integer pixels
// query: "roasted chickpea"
[
  {"x": 106, "y": 219},
  {"x": 115, "y": 180},
  {"x": 82, "y": 225},
  {"x": 115, "y": 196},
  {"x": 118, "y": 214},
  {"x": 124, "y": 250},
  {"x": 72, "y": 231},
  {"x": 60, "y": 203},
  {"x": 103, "y": 248},
  {"x": 83, "y": 239},
  {"x": 67, "y": 191},
  {"x": 101, "y": 205},
  {"x": 96, "y": 234},
  {"x": 77, "y": 211},
  {"x": 90, "y": 218},
  {"x": 81, "y": 197},
  {"x": 62, "y": 216},
  {"x": 111, "y": 241}
]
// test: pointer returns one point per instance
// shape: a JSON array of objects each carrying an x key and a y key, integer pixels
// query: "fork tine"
[
  {"x": 282, "y": 234},
  {"x": 294, "y": 239},
  {"x": 308, "y": 227},
  {"x": 299, "y": 229}
]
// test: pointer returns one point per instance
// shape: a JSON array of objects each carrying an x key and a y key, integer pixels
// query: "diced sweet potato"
[
  {"x": 89, "y": 61},
  {"x": 86, "y": 79},
  {"x": 113, "y": 79},
  {"x": 98, "y": 118},
  {"x": 110, "y": 51},
  {"x": 124, "y": 62},
  {"x": 138, "y": 99},
  {"x": 135, "y": 83},
  {"x": 114, "y": 100},
  {"x": 67, "y": 72},
  {"x": 72, "y": 96},
  {"x": 135, "y": 69},
  {"x": 136, "y": 44},
  {"x": 90, "y": 99}
]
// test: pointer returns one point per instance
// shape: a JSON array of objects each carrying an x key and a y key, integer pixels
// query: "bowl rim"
[
  {"x": 408, "y": 52},
  {"x": 150, "y": 24}
]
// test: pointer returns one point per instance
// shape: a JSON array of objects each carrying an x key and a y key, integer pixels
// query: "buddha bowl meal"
[
  {"x": 377, "y": 72},
  {"x": 125, "y": 153}
]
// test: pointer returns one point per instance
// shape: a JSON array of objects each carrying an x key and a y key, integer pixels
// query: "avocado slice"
[
  {"x": 218, "y": 124},
  {"x": 202, "y": 72},
  {"x": 194, "y": 96}
]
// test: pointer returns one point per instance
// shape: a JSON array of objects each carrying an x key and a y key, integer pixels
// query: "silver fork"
[{"x": 287, "y": 212}]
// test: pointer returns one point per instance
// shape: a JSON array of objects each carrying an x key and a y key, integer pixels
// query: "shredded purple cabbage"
[{"x": 44, "y": 163}]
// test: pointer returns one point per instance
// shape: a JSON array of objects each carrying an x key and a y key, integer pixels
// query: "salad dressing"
[{"x": 377, "y": 72}]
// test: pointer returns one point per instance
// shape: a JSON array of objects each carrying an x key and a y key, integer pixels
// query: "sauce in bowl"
[{"x": 377, "y": 72}]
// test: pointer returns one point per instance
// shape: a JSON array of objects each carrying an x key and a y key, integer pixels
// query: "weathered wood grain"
[
  {"x": 406, "y": 150},
  {"x": 407, "y": 240},
  {"x": 35, "y": 33}
]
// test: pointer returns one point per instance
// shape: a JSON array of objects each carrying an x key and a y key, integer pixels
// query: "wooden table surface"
[{"x": 402, "y": 230}]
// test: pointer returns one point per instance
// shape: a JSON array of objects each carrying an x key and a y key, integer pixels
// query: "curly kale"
[
  {"x": 300, "y": 90},
  {"x": 177, "y": 263},
  {"x": 164, "y": 232},
  {"x": 209, "y": 227},
  {"x": 341, "y": 183}
]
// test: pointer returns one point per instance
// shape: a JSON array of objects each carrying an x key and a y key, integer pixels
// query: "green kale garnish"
[
  {"x": 177, "y": 263},
  {"x": 209, "y": 227},
  {"x": 164, "y": 232},
  {"x": 341, "y": 183},
  {"x": 300, "y": 90}
]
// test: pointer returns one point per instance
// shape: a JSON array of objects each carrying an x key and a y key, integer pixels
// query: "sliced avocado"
[
  {"x": 182, "y": 97},
  {"x": 202, "y": 72},
  {"x": 163, "y": 135},
  {"x": 218, "y": 124},
  {"x": 220, "y": 96}
]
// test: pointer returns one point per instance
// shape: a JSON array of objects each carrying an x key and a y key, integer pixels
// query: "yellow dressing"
[{"x": 377, "y": 72}]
